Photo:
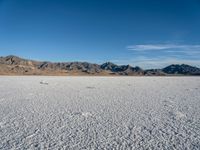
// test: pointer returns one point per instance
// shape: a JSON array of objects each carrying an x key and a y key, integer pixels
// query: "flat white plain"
[{"x": 99, "y": 112}]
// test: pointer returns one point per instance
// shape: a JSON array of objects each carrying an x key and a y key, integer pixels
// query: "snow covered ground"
[{"x": 100, "y": 113}]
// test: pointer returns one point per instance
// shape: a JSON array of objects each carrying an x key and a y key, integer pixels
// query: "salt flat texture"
[{"x": 100, "y": 113}]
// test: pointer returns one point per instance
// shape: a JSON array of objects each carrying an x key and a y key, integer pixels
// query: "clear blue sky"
[{"x": 148, "y": 33}]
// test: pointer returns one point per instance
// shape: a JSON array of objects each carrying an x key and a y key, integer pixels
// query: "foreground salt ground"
[{"x": 99, "y": 113}]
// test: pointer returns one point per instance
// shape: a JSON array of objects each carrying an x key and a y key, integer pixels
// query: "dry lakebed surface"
[{"x": 99, "y": 113}]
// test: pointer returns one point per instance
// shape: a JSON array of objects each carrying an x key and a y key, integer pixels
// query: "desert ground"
[{"x": 99, "y": 113}]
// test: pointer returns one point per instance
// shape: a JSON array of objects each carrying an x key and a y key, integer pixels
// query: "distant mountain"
[
  {"x": 123, "y": 69},
  {"x": 154, "y": 72},
  {"x": 13, "y": 65},
  {"x": 181, "y": 69}
]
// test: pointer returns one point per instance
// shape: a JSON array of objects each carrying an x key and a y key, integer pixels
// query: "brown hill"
[{"x": 13, "y": 65}]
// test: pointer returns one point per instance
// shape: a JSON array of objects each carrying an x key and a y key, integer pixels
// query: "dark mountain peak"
[
  {"x": 121, "y": 69},
  {"x": 108, "y": 66},
  {"x": 181, "y": 69},
  {"x": 109, "y": 63}
]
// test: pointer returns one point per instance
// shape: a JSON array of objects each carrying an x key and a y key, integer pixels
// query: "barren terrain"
[{"x": 99, "y": 112}]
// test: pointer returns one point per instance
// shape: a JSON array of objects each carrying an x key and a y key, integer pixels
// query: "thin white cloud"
[
  {"x": 160, "y": 63},
  {"x": 146, "y": 47},
  {"x": 156, "y": 63},
  {"x": 161, "y": 55}
]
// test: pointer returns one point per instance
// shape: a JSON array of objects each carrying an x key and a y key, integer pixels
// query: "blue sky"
[{"x": 150, "y": 34}]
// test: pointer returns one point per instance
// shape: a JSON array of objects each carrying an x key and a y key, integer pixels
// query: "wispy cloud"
[
  {"x": 162, "y": 54},
  {"x": 163, "y": 62},
  {"x": 158, "y": 62},
  {"x": 147, "y": 47}
]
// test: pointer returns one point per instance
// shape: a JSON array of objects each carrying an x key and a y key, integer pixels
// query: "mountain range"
[{"x": 13, "y": 65}]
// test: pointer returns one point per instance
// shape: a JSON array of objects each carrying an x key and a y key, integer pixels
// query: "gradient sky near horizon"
[{"x": 146, "y": 33}]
